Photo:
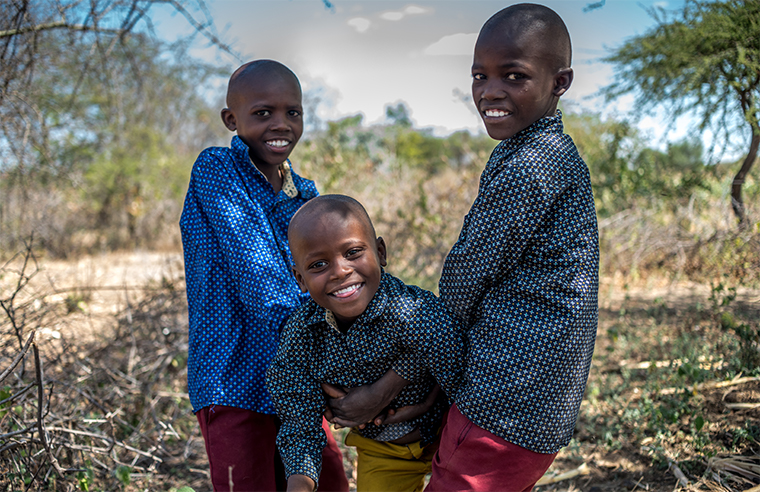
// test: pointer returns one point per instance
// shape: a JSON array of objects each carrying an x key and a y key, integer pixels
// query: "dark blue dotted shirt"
[
  {"x": 404, "y": 328},
  {"x": 240, "y": 289},
  {"x": 523, "y": 278}
]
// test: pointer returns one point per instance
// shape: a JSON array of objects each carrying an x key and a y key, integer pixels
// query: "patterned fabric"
[
  {"x": 523, "y": 278},
  {"x": 400, "y": 320},
  {"x": 240, "y": 289}
]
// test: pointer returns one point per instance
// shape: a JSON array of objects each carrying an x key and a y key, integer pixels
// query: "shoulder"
[
  {"x": 213, "y": 159},
  {"x": 405, "y": 300}
]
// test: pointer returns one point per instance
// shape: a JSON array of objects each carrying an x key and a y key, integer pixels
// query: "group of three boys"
[{"x": 509, "y": 342}]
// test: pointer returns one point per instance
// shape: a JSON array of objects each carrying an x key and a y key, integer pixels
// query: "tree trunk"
[{"x": 736, "y": 188}]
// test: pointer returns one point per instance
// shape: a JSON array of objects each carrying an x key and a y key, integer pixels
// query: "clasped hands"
[{"x": 355, "y": 407}]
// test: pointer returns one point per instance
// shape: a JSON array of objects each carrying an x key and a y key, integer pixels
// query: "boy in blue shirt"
[
  {"x": 240, "y": 289},
  {"x": 522, "y": 277},
  {"x": 359, "y": 323}
]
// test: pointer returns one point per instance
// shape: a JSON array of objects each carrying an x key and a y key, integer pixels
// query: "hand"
[
  {"x": 355, "y": 407},
  {"x": 300, "y": 483},
  {"x": 409, "y": 412}
]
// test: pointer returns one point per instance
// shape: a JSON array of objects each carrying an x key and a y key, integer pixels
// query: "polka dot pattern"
[
  {"x": 240, "y": 290},
  {"x": 404, "y": 328},
  {"x": 523, "y": 278}
]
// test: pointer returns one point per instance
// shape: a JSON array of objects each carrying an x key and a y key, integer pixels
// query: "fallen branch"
[{"x": 555, "y": 477}]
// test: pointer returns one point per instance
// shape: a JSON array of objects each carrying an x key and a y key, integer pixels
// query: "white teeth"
[
  {"x": 348, "y": 289},
  {"x": 495, "y": 113},
  {"x": 278, "y": 143}
]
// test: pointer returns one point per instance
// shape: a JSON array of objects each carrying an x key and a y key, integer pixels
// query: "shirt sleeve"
[
  {"x": 244, "y": 235},
  {"x": 494, "y": 235},
  {"x": 299, "y": 402},
  {"x": 408, "y": 366},
  {"x": 439, "y": 342}
]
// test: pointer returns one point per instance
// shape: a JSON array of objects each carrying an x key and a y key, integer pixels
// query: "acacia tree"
[{"x": 703, "y": 60}]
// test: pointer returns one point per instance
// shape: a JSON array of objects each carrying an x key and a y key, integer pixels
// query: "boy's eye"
[
  {"x": 514, "y": 76},
  {"x": 317, "y": 265},
  {"x": 478, "y": 76},
  {"x": 295, "y": 112},
  {"x": 262, "y": 112},
  {"x": 353, "y": 252}
]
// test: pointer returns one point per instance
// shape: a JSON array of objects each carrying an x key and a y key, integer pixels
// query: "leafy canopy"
[{"x": 705, "y": 62}]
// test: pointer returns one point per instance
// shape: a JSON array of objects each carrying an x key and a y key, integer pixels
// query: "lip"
[{"x": 342, "y": 293}]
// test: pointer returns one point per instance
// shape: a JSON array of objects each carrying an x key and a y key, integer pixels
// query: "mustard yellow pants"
[{"x": 386, "y": 467}]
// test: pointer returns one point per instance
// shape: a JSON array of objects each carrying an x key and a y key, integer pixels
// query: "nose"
[
  {"x": 342, "y": 268},
  {"x": 279, "y": 122},
  {"x": 491, "y": 90}
]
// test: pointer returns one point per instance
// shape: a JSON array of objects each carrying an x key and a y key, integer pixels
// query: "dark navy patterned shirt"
[
  {"x": 404, "y": 328},
  {"x": 240, "y": 289},
  {"x": 523, "y": 278}
]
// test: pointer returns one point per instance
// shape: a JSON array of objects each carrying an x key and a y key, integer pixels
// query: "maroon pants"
[
  {"x": 471, "y": 458},
  {"x": 244, "y": 441}
]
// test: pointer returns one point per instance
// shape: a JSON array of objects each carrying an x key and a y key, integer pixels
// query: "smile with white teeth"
[
  {"x": 346, "y": 291},
  {"x": 495, "y": 113},
  {"x": 278, "y": 143}
]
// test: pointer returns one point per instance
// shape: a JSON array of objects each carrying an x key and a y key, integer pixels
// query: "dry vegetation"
[{"x": 93, "y": 390}]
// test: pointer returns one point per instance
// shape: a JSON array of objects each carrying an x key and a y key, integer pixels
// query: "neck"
[{"x": 273, "y": 175}]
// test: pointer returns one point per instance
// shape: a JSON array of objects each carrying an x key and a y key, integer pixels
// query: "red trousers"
[
  {"x": 244, "y": 441},
  {"x": 471, "y": 458}
]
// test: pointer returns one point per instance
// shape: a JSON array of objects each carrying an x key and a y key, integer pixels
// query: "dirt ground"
[{"x": 99, "y": 288}]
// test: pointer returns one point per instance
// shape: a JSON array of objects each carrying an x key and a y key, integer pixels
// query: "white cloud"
[
  {"x": 397, "y": 16},
  {"x": 359, "y": 23},
  {"x": 414, "y": 9},
  {"x": 453, "y": 44},
  {"x": 392, "y": 16}
]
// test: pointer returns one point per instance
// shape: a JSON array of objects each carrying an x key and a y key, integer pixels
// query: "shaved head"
[
  {"x": 342, "y": 205},
  {"x": 247, "y": 74},
  {"x": 535, "y": 21}
]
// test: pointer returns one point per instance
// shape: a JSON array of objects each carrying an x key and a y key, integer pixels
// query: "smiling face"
[
  {"x": 265, "y": 110},
  {"x": 515, "y": 79},
  {"x": 338, "y": 261}
]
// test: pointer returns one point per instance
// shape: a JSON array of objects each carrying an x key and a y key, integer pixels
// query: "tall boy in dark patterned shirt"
[
  {"x": 240, "y": 290},
  {"x": 360, "y": 323},
  {"x": 523, "y": 275}
]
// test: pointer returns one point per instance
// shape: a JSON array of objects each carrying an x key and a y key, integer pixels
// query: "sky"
[{"x": 362, "y": 55}]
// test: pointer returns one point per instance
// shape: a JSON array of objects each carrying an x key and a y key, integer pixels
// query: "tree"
[{"x": 703, "y": 61}]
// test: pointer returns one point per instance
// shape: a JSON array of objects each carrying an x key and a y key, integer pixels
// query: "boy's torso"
[
  {"x": 533, "y": 315},
  {"x": 240, "y": 290}
]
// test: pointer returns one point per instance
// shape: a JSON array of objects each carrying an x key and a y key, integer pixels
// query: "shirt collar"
[
  {"x": 288, "y": 185},
  {"x": 547, "y": 124}
]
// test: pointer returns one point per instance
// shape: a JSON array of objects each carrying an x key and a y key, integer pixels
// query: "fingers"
[
  {"x": 346, "y": 423},
  {"x": 333, "y": 391}
]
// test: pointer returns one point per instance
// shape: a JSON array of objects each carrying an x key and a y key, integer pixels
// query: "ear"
[
  {"x": 562, "y": 81},
  {"x": 299, "y": 280},
  {"x": 380, "y": 244},
  {"x": 228, "y": 117}
]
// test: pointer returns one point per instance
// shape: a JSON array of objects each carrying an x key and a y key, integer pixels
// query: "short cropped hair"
[
  {"x": 343, "y": 205},
  {"x": 257, "y": 68},
  {"x": 531, "y": 18}
]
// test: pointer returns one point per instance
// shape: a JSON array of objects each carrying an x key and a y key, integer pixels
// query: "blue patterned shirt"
[
  {"x": 523, "y": 278},
  {"x": 240, "y": 289},
  {"x": 404, "y": 327}
]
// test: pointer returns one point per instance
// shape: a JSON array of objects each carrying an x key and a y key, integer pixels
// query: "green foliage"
[{"x": 703, "y": 61}]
